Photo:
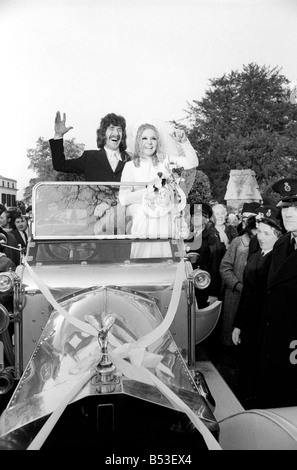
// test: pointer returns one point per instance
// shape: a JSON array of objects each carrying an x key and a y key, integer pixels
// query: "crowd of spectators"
[{"x": 257, "y": 283}]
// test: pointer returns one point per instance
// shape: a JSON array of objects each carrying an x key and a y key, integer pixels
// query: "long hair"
[
  {"x": 157, "y": 158},
  {"x": 114, "y": 120}
]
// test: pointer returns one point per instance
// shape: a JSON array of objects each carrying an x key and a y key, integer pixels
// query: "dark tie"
[
  {"x": 292, "y": 245},
  {"x": 24, "y": 236}
]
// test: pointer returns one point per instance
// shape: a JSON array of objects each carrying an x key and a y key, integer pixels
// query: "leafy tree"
[
  {"x": 41, "y": 162},
  {"x": 200, "y": 191},
  {"x": 21, "y": 206},
  {"x": 245, "y": 121}
]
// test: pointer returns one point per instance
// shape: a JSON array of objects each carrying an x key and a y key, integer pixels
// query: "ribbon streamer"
[
  {"x": 46, "y": 429},
  {"x": 158, "y": 332},
  {"x": 134, "y": 370},
  {"x": 86, "y": 327},
  {"x": 143, "y": 375}
]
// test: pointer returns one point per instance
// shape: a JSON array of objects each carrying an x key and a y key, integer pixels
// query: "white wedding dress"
[{"x": 154, "y": 214}]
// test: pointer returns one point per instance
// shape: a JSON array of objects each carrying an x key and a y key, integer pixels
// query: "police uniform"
[
  {"x": 249, "y": 316},
  {"x": 277, "y": 380}
]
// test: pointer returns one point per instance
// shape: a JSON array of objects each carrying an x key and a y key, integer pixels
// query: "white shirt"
[
  {"x": 263, "y": 252},
  {"x": 113, "y": 157},
  {"x": 292, "y": 236}
]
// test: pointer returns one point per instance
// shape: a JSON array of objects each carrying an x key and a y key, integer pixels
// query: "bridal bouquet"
[
  {"x": 172, "y": 179},
  {"x": 166, "y": 194}
]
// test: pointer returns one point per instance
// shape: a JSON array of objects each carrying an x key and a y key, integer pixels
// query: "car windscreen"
[{"x": 77, "y": 210}]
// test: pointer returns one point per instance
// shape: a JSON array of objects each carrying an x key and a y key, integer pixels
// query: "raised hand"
[
  {"x": 179, "y": 135},
  {"x": 60, "y": 125}
]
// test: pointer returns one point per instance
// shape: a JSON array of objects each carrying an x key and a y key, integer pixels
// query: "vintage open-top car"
[{"x": 103, "y": 327}]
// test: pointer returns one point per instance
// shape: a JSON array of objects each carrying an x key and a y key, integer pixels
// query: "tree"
[
  {"x": 21, "y": 206},
  {"x": 41, "y": 162},
  {"x": 245, "y": 121},
  {"x": 200, "y": 191}
]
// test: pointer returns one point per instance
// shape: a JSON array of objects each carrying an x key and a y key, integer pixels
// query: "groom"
[{"x": 105, "y": 164}]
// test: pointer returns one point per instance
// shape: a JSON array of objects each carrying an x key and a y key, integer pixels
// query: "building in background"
[
  {"x": 8, "y": 191},
  {"x": 242, "y": 187}
]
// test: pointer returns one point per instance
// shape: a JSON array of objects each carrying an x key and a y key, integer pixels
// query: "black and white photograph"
[{"x": 148, "y": 228}]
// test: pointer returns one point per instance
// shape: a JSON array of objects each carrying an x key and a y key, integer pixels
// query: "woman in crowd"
[
  {"x": 233, "y": 219},
  {"x": 19, "y": 225},
  {"x": 251, "y": 306},
  {"x": 6, "y": 219},
  {"x": 231, "y": 270},
  {"x": 224, "y": 234},
  {"x": 150, "y": 164}
]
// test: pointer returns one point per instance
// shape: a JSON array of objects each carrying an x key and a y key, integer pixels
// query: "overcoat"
[
  {"x": 278, "y": 372},
  {"x": 231, "y": 270},
  {"x": 217, "y": 251},
  {"x": 249, "y": 318}
]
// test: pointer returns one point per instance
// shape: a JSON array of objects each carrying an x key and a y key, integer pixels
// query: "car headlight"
[
  {"x": 7, "y": 280},
  {"x": 201, "y": 278}
]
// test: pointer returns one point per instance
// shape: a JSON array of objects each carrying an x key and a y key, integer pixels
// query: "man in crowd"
[
  {"x": 105, "y": 164},
  {"x": 278, "y": 365}
]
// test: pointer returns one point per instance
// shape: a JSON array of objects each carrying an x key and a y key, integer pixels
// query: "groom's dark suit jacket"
[{"x": 93, "y": 164}]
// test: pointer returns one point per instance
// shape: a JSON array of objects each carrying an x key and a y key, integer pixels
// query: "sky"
[{"x": 137, "y": 58}]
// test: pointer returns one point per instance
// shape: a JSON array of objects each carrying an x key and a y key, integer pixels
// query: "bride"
[{"x": 156, "y": 207}]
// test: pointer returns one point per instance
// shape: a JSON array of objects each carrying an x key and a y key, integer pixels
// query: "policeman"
[{"x": 278, "y": 372}]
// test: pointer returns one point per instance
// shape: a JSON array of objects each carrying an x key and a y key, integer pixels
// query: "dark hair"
[
  {"x": 114, "y": 120},
  {"x": 250, "y": 225},
  {"x": 278, "y": 231},
  {"x": 15, "y": 215}
]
